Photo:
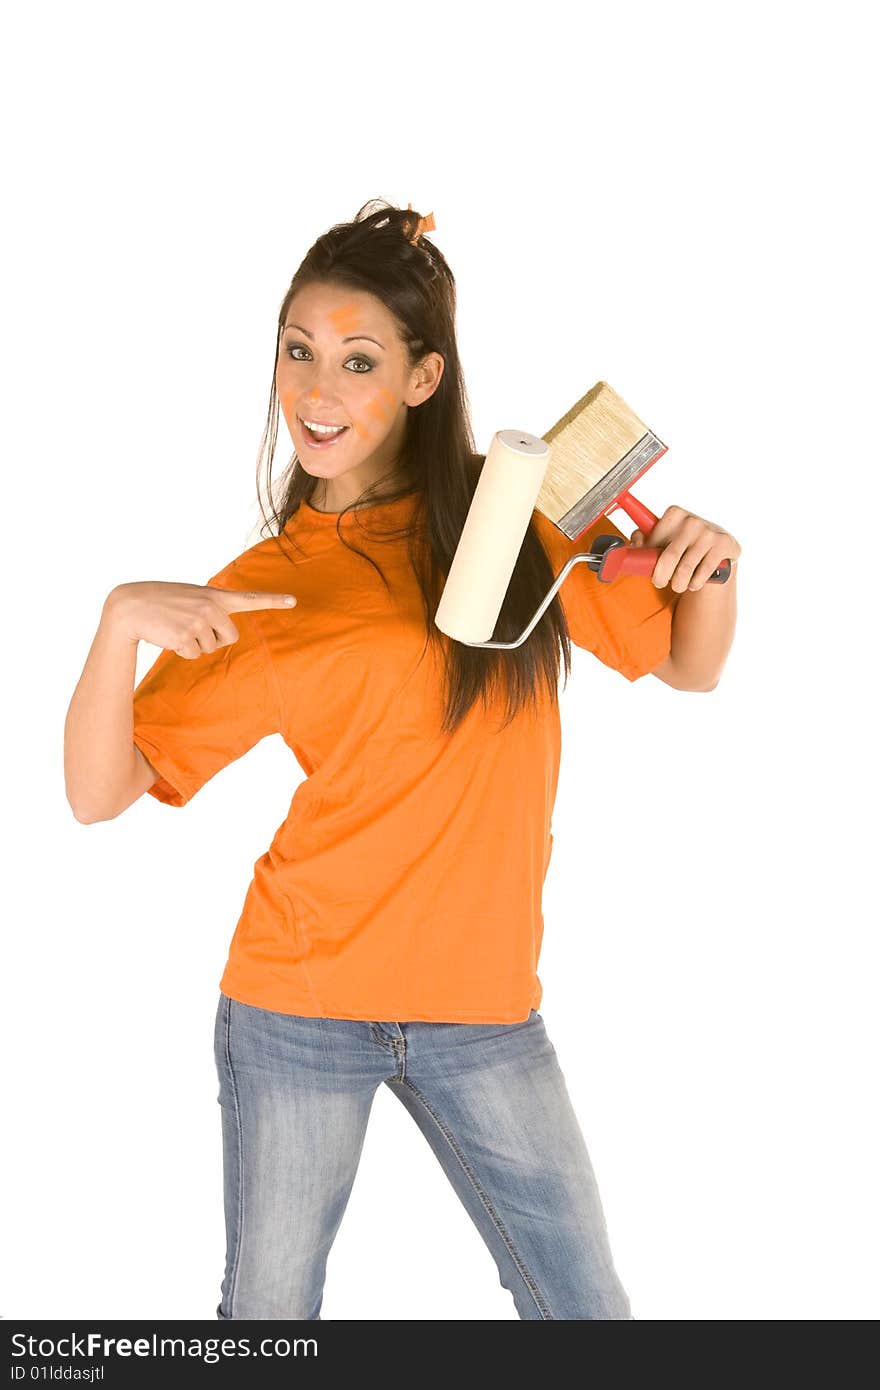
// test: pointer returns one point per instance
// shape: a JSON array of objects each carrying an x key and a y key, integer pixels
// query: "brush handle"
[
  {"x": 637, "y": 511},
  {"x": 646, "y": 521}
]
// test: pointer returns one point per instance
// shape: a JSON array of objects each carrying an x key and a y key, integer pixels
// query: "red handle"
[
  {"x": 646, "y": 521},
  {"x": 637, "y": 512},
  {"x": 628, "y": 559}
]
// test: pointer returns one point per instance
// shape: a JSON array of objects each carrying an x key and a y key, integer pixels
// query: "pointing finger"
[{"x": 240, "y": 600}]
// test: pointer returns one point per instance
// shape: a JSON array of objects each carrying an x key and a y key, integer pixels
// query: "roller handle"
[{"x": 646, "y": 521}]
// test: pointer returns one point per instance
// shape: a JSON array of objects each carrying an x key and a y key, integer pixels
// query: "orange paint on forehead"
[{"x": 346, "y": 318}]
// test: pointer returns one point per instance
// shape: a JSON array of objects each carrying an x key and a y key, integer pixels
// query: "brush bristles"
[{"x": 590, "y": 442}]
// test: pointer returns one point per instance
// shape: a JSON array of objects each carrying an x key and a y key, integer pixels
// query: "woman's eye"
[{"x": 298, "y": 347}]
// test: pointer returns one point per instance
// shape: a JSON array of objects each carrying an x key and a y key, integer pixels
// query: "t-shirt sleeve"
[
  {"x": 194, "y": 716},
  {"x": 627, "y": 624}
]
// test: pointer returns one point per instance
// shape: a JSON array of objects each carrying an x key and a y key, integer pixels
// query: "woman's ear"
[{"x": 427, "y": 378}]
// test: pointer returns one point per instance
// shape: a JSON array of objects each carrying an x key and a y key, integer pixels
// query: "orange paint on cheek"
[{"x": 379, "y": 410}]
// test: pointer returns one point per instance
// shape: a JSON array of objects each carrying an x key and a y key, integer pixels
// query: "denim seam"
[
  {"x": 239, "y": 1167},
  {"x": 486, "y": 1201}
]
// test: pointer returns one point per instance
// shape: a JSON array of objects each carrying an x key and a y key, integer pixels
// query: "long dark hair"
[{"x": 438, "y": 461}]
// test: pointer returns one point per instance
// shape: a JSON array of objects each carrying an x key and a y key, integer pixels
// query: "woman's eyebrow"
[{"x": 357, "y": 336}]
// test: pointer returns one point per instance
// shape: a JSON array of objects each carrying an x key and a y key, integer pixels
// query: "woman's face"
[{"x": 341, "y": 362}]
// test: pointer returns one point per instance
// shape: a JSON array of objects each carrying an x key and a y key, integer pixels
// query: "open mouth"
[{"x": 321, "y": 439}]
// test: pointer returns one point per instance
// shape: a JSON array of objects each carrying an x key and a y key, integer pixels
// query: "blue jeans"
[{"x": 491, "y": 1100}]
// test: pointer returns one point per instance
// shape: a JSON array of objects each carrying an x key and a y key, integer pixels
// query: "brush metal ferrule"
[{"x": 616, "y": 481}]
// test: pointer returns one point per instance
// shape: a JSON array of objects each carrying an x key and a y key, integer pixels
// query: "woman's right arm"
[{"x": 104, "y": 770}]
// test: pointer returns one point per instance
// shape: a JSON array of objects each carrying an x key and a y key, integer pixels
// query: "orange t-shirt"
[{"x": 405, "y": 882}]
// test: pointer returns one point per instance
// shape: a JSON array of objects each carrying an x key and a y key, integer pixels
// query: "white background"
[{"x": 674, "y": 198}]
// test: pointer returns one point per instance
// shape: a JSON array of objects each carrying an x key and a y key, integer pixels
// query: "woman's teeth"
[{"x": 320, "y": 436}]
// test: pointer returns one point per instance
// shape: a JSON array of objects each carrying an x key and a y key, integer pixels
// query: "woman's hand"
[
  {"x": 692, "y": 549},
  {"x": 190, "y": 619}
]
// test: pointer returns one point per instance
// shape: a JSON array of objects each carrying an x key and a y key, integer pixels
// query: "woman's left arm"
[{"x": 704, "y": 616}]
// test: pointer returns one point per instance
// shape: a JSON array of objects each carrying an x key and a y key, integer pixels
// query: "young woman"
[{"x": 391, "y": 932}]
